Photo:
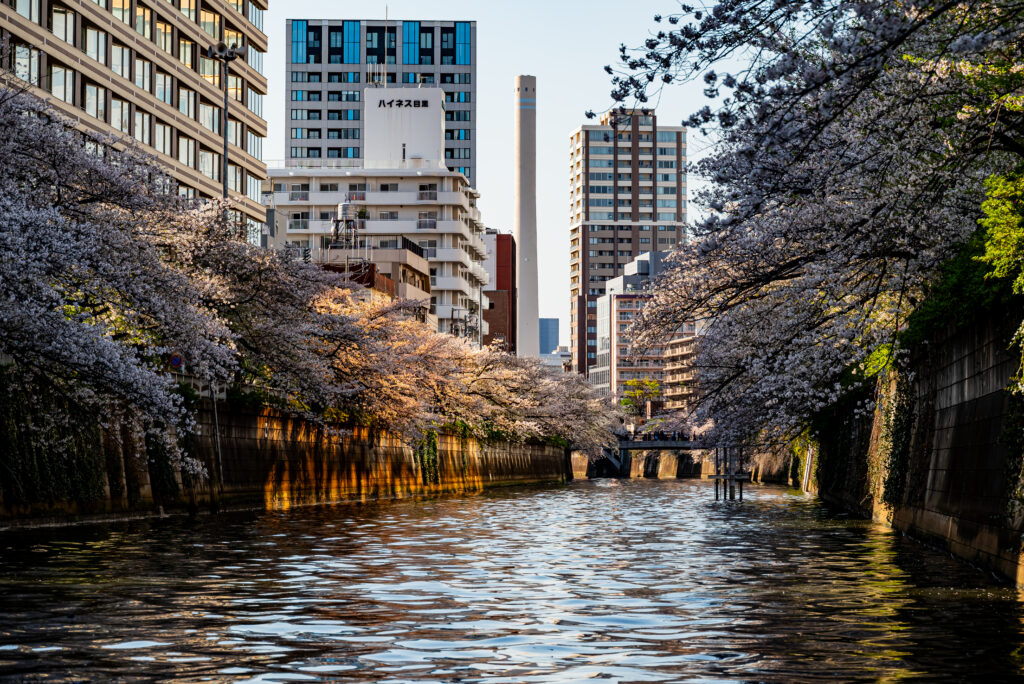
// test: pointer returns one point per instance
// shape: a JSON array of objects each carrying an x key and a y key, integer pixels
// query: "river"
[{"x": 634, "y": 580}]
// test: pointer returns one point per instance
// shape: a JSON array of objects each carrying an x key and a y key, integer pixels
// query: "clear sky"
[{"x": 565, "y": 44}]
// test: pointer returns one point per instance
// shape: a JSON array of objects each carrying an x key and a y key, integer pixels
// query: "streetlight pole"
[{"x": 224, "y": 54}]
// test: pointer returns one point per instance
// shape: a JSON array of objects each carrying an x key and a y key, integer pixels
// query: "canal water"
[{"x": 610, "y": 580}]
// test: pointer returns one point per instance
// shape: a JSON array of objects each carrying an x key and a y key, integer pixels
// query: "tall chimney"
[{"x": 525, "y": 226}]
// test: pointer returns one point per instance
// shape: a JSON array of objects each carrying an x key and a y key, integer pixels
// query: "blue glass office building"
[{"x": 548, "y": 335}]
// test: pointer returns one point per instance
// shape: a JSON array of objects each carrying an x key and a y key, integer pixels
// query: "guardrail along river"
[{"x": 615, "y": 580}]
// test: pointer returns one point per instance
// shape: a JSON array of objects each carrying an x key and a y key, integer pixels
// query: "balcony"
[
  {"x": 298, "y": 225},
  {"x": 298, "y": 196},
  {"x": 426, "y": 224},
  {"x": 453, "y": 255},
  {"x": 355, "y": 197},
  {"x": 455, "y": 283},
  {"x": 427, "y": 195}
]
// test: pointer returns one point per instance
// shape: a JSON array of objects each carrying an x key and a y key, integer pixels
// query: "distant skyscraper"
[
  {"x": 525, "y": 226},
  {"x": 627, "y": 196},
  {"x": 333, "y": 63},
  {"x": 548, "y": 335}
]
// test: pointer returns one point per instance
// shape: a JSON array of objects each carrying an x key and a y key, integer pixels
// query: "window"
[
  {"x": 26, "y": 63},
  {"x": 256, "y": 103},
  {"x": 462, "y": 43},
  {"x": 96, "y": 44},
  {"x": 235, "y": 132},
  {"x": 343, "y": 152},
  {"x": 253, "y": 187},
  {"x": 142, "y": 125},
  {"x": 209, "y": 117},
  {"x": 255, "y": 59},
  {"x": 187, "y": 102},
  {"x": 209, "y": 164},
  {"x": 663, "y": 164},
  {"x": 343, "y": 134},
  {"x": 461, "y": 96},
  {"x": 164, "y": 87},
  {"x": 234, "y": 178},
  {"x": 254, "y": 145},
  {"x": 162, "y": 138},
  {"x": 142, "y": 73},
  {"x": 144, "y": 21},
  {"x": 187, "y": 151},
  {"x": 666, "y": 136},
  {"x": 119, "y": 115},
  {"x": 256, "y": 16},
  {"x": 62, "y": 83},
  {"x": 210, "y": 22},
  {"x": 209, "y": 69},
  {"x": 410, "y": 42},
  {"x": 187, "y": 52},
  {"x": 165, "y": 37},
  {"x": 457, "y": 153},
  {"x": 62, "y": 23},
  {"x": 457, "y": 116},
  {"x": 457, "y": 134},
  {"x": 96, "y": 101},
  {"x": 351, "y": 42},
  {"x": 235, "y": 88},
  {"x": 26, "y": 8},
  {"x": 464, "y": 79},
  {"x": 343, "y": 77},
  {"x": 234, "y": 38},
  {"x": 343, "y": 115},
  {"x": 187, "y": 7}
]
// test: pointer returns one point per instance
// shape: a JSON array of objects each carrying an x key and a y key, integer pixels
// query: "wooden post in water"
[
  {"x": 716, "y": 473},
  {"x": 741, "y": 470}
]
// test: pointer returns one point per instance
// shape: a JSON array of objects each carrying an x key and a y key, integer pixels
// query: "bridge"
[{"x": 636, "y": 444}]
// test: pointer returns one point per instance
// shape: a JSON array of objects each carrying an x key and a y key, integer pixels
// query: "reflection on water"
[{"x": 617, "y": 580}]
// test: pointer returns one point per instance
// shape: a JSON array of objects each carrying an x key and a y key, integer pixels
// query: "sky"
[{"x": 565, "y": 44}]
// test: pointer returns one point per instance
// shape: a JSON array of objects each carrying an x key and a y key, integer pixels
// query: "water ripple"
[{"x": 611, "y": 580}]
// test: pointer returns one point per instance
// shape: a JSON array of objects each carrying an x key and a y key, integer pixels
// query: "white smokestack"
[{"x": 525, "y": 226}]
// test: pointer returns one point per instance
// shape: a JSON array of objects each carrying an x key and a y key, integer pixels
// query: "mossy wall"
[
  {"x": 940, "y": 456},
  {"x": 268, "y": 459}
]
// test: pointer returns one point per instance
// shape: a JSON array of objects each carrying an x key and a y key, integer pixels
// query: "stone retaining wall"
[{"x": 273, "y": 460}]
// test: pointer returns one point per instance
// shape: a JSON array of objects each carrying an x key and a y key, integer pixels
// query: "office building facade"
[
  {"x": 548, "y": 335},
  {"x": 500, "y": 314},
  {"x": 333, "y": 65},
  {"x": 138, "y": 69},
  {"x": 627, "y": 196}
]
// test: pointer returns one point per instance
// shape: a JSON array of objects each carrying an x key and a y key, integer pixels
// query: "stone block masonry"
[
  {"x": 272, "y": 460},
  {"x": 935, "y": 460}
]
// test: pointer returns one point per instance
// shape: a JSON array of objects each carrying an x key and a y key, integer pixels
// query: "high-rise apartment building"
[
  {"x": 627, "y": 196},
  {"x": 333, "y": 64},
  {"x": 138, "y": 68}
]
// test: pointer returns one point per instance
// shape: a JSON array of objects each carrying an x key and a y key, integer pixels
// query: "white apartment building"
[{"x": 402, "y": 189}]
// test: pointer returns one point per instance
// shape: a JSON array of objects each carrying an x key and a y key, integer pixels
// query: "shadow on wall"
[{"x": 274, "y": 460}]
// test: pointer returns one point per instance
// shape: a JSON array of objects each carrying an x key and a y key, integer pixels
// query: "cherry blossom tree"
[{"x": 851, "y": 151}]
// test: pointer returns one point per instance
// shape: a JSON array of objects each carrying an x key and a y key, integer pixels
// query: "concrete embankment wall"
[
  {"x": 271, "y": 459},
  {"x": 941, "y": 456}
]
